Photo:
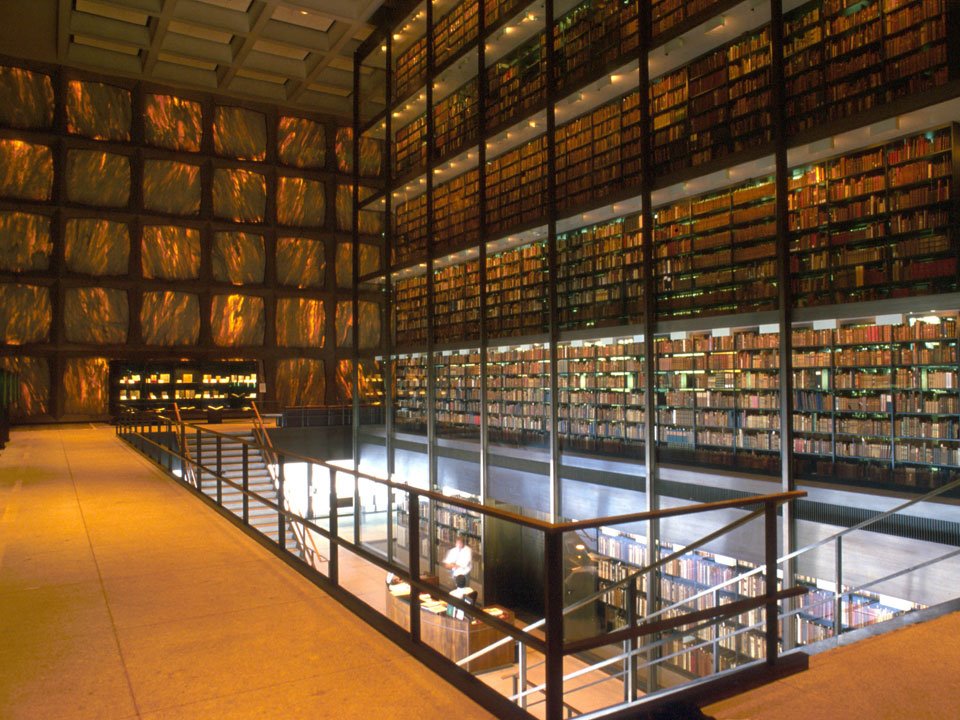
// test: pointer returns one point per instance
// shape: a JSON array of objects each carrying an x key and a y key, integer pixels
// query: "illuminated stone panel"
[
  {"x": 301, "y": 143},
  {"x": 238, "y": 257},
  {"x": 26, "y": 98},
  {"x": 172, "y": 122},
  {"x": 239, "y": 195},
  {"x": 369, "y": 262},
  {"x": 344, "y": 382},
  {"x": 170, "y": 252},
  {"x": 33, "y": 381},
  {"x": 344, "y": 322},
  {"x": 95, "y": 315},
  {"x": 98, "y": 111},
  {"x": 171, "y": 187},
  {"x": 170, "y": 318},
  {"x": 236, "y": 320},
  {"x": 24, "y": 242},
  {"x": 300, "y": 202},
  {"x": 26, "y": 170},
  {"x": 300, "y": 381},
  {"x": 86, "y": 386},
  {"x": 24, "y": 314},
  {"x": 371, "y": 153},
  {"x": 300, "y": 322},
  {"x": 369, "y": 222},
  {"x": 369, "y": 325},
  {"x": 97, "y": 247},
  {"x": 98, "y": 178},
  {"x": 240, "y": 133},
  {"x": 301, "y": 262}
]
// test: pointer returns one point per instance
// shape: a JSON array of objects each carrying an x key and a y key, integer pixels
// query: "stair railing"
[{"x": 189, "y": 468}]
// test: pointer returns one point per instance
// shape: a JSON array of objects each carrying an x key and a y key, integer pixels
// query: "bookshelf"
[
  {"x": 668, "y": 14},
  {"x": 410, "y": 148},
  {"x": 456, "y": 303},
  {"x": 448, "y": 523},
  {"x": 456, "y": 121},
  {"x": 411, "y": 69},
  {"x": 456, "y": 212},
  {"x": 409, "y": 312},
  {"x": 195, "y": 386},
  {"x": 516, "y": 83},
  {"x": 455, "y": 30},
  {"x": 410, "y": 231},
  {"x": 518, "y": 404},
  {"x": 516, "y": 187},
  {"x": 410, "y": 393},
  {"x": 517, "y": 286},
  {"x": 458, "y": 399}
]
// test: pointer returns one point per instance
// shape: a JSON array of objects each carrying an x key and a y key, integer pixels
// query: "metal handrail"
[{"x": 188, "y": 465}]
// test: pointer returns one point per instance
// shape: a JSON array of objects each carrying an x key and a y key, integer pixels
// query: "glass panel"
[
  {"x": 170, "y": 318},
  {"x": 300, "y": 201},
  {"x": 344, "y": 323},
  {"x": 97, "y": 247},
  {"x": 518, "y": 407},
  {"x": 238, "y": 257},
  {"x": 239, "y": 195},
  {"x": 173, "y": 123},
  {"x": 301, "y": 262},
  {"x": 24, "y": 242},
  {"x": 98, "y": 111},
  {"x": 457, "y": 394},
  {"x": 26, "y": 98},
  {"x": 96, "y": 178},
  {"x": 301, "y": 143},
  {"x": 86, "y": 386},
  {"x": 25, "y": 314},
  {"x": 236, "y": 320},
  {"x": 171, "y": 187},
  {"x": 26, "y": 170},
  {"x": 300, "y": 322},
  {"x": 95, "y": 315},
  {"x": 410, "y": 393},
  {"x": 33, "y": 379},
  {"x": 170, "y": 253},
  {"x": 300, "y": 381},
  {"x": 240, "y": 133}
]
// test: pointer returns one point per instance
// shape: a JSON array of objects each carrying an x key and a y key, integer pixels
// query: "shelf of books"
[
  {"x": 410, "y": 232},
  {"x": 410, "y": 312},
  {"x": 456, "y": 121},
  {"x": 457, "y": 399},
  {"x": 455, "y": 30},
  {"x": 448, "y": 523},
  {"x": 194, "y": 386},
  {"x": 517, "y": 187},
  {"x": 877, "y": 223},
  {"x": 410, "y": 393},
  {"x": 518, "y": 389},
  {"x": 666, "y": 15},
  {"x": 517, "y": 291},
  {"x": 411, "y": 69},
  {"x": 516, "y": 84},
  {"x": 410, "y": 148},
  {"x": 456, "y": 303},
  {"x": 593, "y": 35},
  {"x": 456, "y": 213}
]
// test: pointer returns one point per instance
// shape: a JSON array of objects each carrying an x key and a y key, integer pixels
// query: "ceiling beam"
[{"x": 158, "y": 31}]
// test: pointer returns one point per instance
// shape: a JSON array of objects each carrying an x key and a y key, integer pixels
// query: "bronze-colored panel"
[
  {"x": 97, "y": 247},
  {"x": 171, "y": 187},
  {"x": 26, "y": 170},
  {"x": 369, "y": 259},
  {"x": 236, "y": 320},
  {"x": 300, "y": 381},
  {"x": 300, "y": 322},
  {"x": 98, "y": 111},
  {"x": 369, "y": 325},
  {"x": 86, "y": 386},
  {"x": 238, "y": 257},
  {"x": 170, "y": 252},
  {"x": 371, "y": 153},
  {"x": 301, "y": 143},
  {"x": 239, "y": 133},
  {"x": 300, "y": 202},
  {"x": 344, "y": 323},
  {"x": 170, "y": 318},
  {"x": 24, "y": 314},
  {"x": 33, "y": 379},
  {"x": 95, "y": 315},
  {"x": 24, "y": 242},
  {"x": 172, "y": 122},
  {"x": 239, "y": 195},
  {"x": 344, "y": 265},
  {"x": 98, "y": 178},
  {"x": 344, "y": 386},
  {"x": 301, "y": 262},
  {"x": 26, "y": 98},
  {"x": 369, "y": 382}
]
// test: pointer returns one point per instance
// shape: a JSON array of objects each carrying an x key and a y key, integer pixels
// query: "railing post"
[
  {"x": 770, "y": 537},
  {"x": 246, "y": 484},
  {"x": 281, "y": 519},
  {"x": 199, "y": 474},
  {"x": 413, "y": 513},
  {"x": 334, "y": 567},
  {"x": 309, "y": 507},
  {"x": 522, "y": 673},
  {"x": 838, "y": 592},
  {"x": 716, "y": 635},
  {"x": 630, "y": 647},
  {"x": 219, "y": 470},
  {"x": 553, "y": 614},
  {"x": 170, "y": 451}
]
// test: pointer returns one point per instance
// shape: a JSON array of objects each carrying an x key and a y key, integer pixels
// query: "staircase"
[{"x": 260, "y": 481}]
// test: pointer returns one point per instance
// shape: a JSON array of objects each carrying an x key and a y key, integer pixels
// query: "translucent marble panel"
[
  {"x": 300, "y": 381},
  {"x": 236, "y": 320},
  {"x": 170, "y": 318},
  {"x": 240, "y": 133},
  {"x": 96, "y": 315},
  {"x": 98, "y": 178},
  {"x": 86, "y": 386},
  {"x": 238, "y": 257},
  {"x": 98, "y": 111},
  {"x": 301, "y": 142},
  {"x": 344, "y": 323},
  {"x": 301, "y": 262},
  {"x": 369, "y": 382},
  {"x": 173, "y": 123},
  {"x": 24, "y": 242},
  {"x": 369, "y": 262},
  {"x": 369, "y": 325},
  {"x": 26, "y": 170},
  {"x": 371, "y": 153},
  {"x": 24, "y": 314},
  {"x": 300, "y": 201},
  {"x": 344, "y": 382},
  {"x": 368, "y": 222},
  {"x": 300, "y": 322},
  {"x": 171, "y": 187},
  {"x": 26, "y": 98},
  {"x": 33, "y": 385},
  {"x": 170, "y": 253},
  {"x": 97, "y": 247},
  {"x": 239, "y": 195}
]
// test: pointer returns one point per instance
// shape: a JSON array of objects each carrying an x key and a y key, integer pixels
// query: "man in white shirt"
[{"x": 459, "y": 560}]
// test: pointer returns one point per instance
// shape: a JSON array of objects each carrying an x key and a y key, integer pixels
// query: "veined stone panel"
[
  {"x": 97, "y": 247},
  {"x": 170, "y": 252},
  {"x": 239, "y": 133},
  {"x": 26, "y": 170},
  {"x": 300, "y": 322},
  {"x": 301, "y": 262},
  {"x": 33, "y": 379},
  {"x": 236, "y": 320},
  {"x": 239, "y": 195},
  {"x": 26, "y": 98},
  {"x": 98, "y": 178},
  {"x": 25, "y": 314},
  {"x": 238, "y": 257},
  {"x": 170, "y": 318},
  {"x": 100, "y": 316},
  {"x": 171, "y": 187},
  {"x": 301, "y": 202},
  {"x": 98, "y": 111},
  {"x": 86, "y": 386},
  {"x": 25, "y": 242},
  {"x": 301, "y": 143},
  {"x": 172, "y": 122},
  {"x": 300, "y": 381}
]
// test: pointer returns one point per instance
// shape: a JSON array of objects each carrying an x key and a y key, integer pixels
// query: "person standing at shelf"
[{"x": 459, "y": 560}]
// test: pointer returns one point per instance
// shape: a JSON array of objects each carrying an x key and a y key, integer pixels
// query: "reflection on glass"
[
  {"x": 301, "y": 142},
  {"x": 24, "y": 242},
  {"x": 236, "y": 320},
  {"x": 26, "y": 98},
  {"x": 173, "y": 123},
  {"x": 369, "y": 324},
  {"x": 344, "y": 323},
  {"x": 239, "y": 195},
  {"x": 300, "y": 322},
  {"x": 237, "y": 257},
  {"x": 239, "y": 133},
  {"x": 95, "y": 315},
  {"x": 170, "y": 318},
  {"x": 300, "y": 381},
  {"x": 170, "y": 252},
  {"x": 300, "y": 201},
  {"x": 96, "y": 178},
  {"x": 86, "y": 386},
  {"x": 33, "y": 380},
  {"x": 26, "y": 170},
  {"x": 24, "y": 314},
  {"x": 301, "y": 262},
  {"x": 97, "y": 247},
  {"x": 171, "y": 187},
  {"x": 98, "y": 111}
]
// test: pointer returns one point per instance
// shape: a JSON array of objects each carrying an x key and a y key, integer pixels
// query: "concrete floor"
[{"x": 123, "y": 596}]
